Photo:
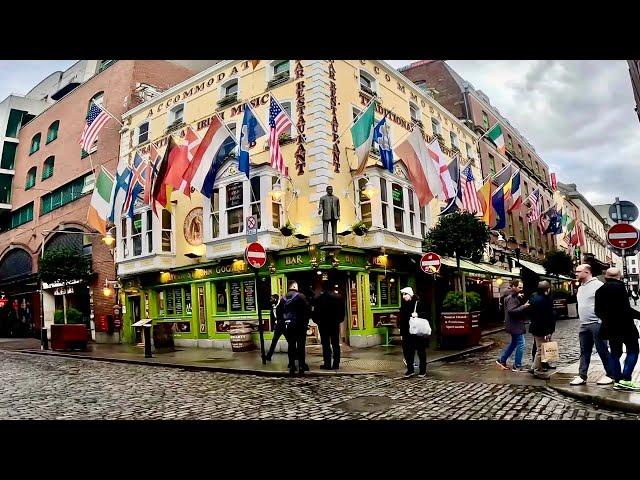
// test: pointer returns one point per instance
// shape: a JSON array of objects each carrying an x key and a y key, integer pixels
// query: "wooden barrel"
[{"x": 240, "y": 336}]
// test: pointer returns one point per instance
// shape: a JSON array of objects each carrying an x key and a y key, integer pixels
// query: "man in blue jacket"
[{"x": 543, "y": 322}]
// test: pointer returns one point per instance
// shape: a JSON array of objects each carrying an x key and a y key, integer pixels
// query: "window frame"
[
  {"x": 47, "y": 170},
  {"x": 124, "y": 231},
  {"x": 436, "y": 128},
  {"x": 371, "y": 79},
  {"x": 137, "y": 132},
  {"x": 30, "y": 178},
  {"x": 35, "y": 141},
  {"x": 172, "y": 117},
  {"x": 49, "y": 130}
]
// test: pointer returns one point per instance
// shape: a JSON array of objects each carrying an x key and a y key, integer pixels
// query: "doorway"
[{"x": 134, "y": 309}]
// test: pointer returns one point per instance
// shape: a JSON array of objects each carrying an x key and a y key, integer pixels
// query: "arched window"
[
  {"x": 414, "y": 112},
  {"x": 52, "y": 133},
  {"x": 98, "y": 99},
  {"x": 31, "y": 178},
  {"x": 35, "y": 144},
  {"x": 435, "y": 126},
  {"x": 47, "y": 169},
  {"x": 367, "y": 83}
]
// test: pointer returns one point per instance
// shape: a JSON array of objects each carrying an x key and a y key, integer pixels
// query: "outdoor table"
[{"x": 387, "y": 331}]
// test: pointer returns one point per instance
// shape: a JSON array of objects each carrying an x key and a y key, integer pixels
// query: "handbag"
[
  {"x": 419, "y": 326},
  {"x": 549, "y": 352}
]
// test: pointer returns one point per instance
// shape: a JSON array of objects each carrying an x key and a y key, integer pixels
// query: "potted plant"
[
  {"x": 359, "y": 228},
  {"x": 288, "y": 229},
  {"x": 70, "y": 335},
  {"x": 455, "y": 321}
]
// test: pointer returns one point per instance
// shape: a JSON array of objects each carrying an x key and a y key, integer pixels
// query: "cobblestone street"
[{"x": 35, "y": 387}]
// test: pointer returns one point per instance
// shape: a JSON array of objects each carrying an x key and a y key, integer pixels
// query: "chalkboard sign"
[
  {"x": 396, "y": 192},
  {"x": 187, "y": 301},
  {"x": 234, "y": 194},
  {"x": 393, "y": 293},
  {"x": 249, "y": 295},
  {"x": 178, "y": 300},
  {"x": 236, "y": 296},
  {"x": 170, "y": 310},
  {"x": 384, "y": 293}
]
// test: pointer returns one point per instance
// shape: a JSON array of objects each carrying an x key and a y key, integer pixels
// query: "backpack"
[{"x": 289, "y": 314}]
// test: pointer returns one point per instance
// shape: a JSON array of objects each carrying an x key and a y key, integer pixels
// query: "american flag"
[
  {"x": 470, "y": 201},
  {"x": 279, "y": 121},
  {"x": 534, "y": 212},
  {"x": 96, "y": 118}
]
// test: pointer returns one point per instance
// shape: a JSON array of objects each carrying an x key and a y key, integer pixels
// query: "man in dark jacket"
[
  {"x": 277, "y": 323},
  {"x": 296, "y": 319},
  {"x": 514, "y": 325},
  {"x": 328, "y": 313},
  {"x": 410, "y": 307},
  {"x": 543, "y": 322},
  {"x": 613, "y": 308}
]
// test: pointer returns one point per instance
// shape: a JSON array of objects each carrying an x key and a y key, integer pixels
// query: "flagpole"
[
  {"x": 354, "y": 121},
  {"x": 486, "y": 133},
  {"x": 102, "y": 107}
]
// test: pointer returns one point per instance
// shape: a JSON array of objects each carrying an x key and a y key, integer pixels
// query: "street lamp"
[{"x": 108, "y": 239}]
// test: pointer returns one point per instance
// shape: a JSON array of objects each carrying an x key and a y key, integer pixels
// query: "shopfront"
[{"x": 19, "y": 295}]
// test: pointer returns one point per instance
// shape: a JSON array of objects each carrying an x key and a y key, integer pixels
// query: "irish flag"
[
  {"x": 100, "y": 206},
  {"x": 362, "y": 134},
  {"x": 495, "y": 134}
]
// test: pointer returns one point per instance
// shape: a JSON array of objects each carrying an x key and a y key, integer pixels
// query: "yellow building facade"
[{"x": 185, "y": 267}]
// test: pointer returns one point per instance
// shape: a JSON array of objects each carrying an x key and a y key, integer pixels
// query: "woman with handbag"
[{"x": 413, "y": 308}]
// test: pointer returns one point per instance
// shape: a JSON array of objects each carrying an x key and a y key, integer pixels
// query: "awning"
[
  {"x": 493, "y": 270},
  {"x": 534, "y": 267},
  {"x": 479, "y": 268}
]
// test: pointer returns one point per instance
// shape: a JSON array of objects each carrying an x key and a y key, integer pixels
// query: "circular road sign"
[
  {"x": 256, "y": 255},
  {"x": 430, "y": 263},
  {"x": 623, "y": 236},
  {"x": 628, "y": 212}
]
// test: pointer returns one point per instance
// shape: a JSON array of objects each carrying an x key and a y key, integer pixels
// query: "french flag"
[{"x": 214, "y": 148}]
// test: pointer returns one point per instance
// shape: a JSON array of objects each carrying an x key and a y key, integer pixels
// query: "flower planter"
[
  {"x": 460, "y": 328},
  {"x": 69, "y": 337},
  {"x": 287, "y": 232},
  {"x": 359, "y": 231}
]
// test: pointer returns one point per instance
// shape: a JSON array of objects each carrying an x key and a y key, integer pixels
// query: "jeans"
[
  {"x": 630, "y": 360},
  {"x": 278, "y": 330},
  {"x": 537, "y": 361},
  {"x": 330, "y": 338},
  {"x": 590, "y": 335},
  {"x": 517, "y": 344},
  {"x": 411, "y": 344}
]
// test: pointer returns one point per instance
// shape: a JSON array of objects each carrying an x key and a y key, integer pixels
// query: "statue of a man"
[{"x": 329, "y": 207}]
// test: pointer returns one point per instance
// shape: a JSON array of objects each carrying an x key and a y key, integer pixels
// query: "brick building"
[
  {"x": 634, "y": 73},
  {"x": 51, "y": 190}
]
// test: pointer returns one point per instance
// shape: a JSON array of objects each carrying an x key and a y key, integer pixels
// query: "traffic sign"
[
  {"x": 430, "y": 263},
  {"x": 252, "y": 229},
  {"x": 628, "y": 211},
  {"x": 256, "y": 255},
  {"x": 623, "y": 236}
]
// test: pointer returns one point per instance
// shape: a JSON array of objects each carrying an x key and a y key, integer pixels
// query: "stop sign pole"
[{"x": 256, "y": 257}]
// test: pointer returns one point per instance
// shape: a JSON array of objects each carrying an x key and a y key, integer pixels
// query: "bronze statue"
[{"x": 329, "y": 207}]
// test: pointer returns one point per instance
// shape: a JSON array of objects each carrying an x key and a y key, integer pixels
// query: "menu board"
[
  {"x": 384, "y": 293},
  {"x": 234, "y": 195},
  {"x": 249, "y": 296},
  {"x": 170, "y": 309},
  {"x": 236, "y": 296},
  {"x": 177, "y": 292},
  {"x": 393, "y": 294},
  {"x": 187, "y": 301}
]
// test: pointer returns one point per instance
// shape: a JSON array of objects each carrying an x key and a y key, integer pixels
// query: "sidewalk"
[{"x": 355, "y": 361}]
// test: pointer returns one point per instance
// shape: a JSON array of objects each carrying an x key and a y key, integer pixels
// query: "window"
[
  {"x": 520, "y": 154},
  {"x": 52, "y": 133},
  {"x": 87, "y": 245},
  {"x": 35, "y": 144},
  {"x": 633, "y": 260},
  {"x": 286, "y": 106},
  {"x": 469, "y": 149},
  {"x": 124, "y": 243},
  {"x": 365, "y": 203},
  {"x": 276, "y": 207},
  {"x": 485, "y": 120},
  {"x": 389, "y": 289},
  {"x": 510, "y": 228},
  {"x": 235, "y": 217},
  {"x": 423, "y": 221},
  {"x": 215, "y": 213},
  {"x": 398, "y": 207},
  {"x": 47, "y": 169},
  {"x": 492, "y": 165},
  {"x": 239, "y": 296},
  {"x": 174, "y": 302},
  {"x": 414, "y": 112},
  {"x": 412, "y": 213},
  {"x": 22, "y": 215},
  {"x": 255, "y": 199},
  {"x": 384, "y": 202},
  {"x": 280, "y": 69},
  {"x": 17, "y": 118},
  {"x": 176, "y": 115},
  {"x": 454, "y": 140},
  {"x": 231, "y": 88},
  {"x": 356, "y": 112},
  {"x": 167, "y": 231},
  {"x": 31, "y": 178},
  {"x": 149, "y": 231},
  {"x": 529, "y": 160},
  {"x": 67, "y": 193},
  {"x": 233, "y": 128},
  {"x": 421, "y": 84},
  {"x": 104, "y": 64},
  {"x": 98, "y": 99},
  {"x": 8, "y": 155},
  {"x": 521, "y": 225},
  {"x": 526, "y": 190},
  {"x": 142, "y": 132},
  {"x": 367, "y": 83},
  {"x": 509, "y": 142},
  {"x": 435, "y": 127},
  {"x": 136, "y": 234}
]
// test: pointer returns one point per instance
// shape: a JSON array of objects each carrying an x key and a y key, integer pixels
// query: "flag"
[
  {"x": 554, "y": 184},
  {"x": 423, "y": 173},
  {"x": 448, "y": 186},
  {"x": 503, "y": 177},
  {"x": 516, "y": 192},
  {"x": 455, "y": 204},
  {"x": 153, "y": 164},
  {"x": 214, "y": 149},
  {"x": 251, "y": 131},
  {"x": 536, "y": 205},
  {"x": 497, "y": 201},
  {"x": 553, "y": 223},
  {"x": 381, "y": 137},
  {"x": 279, "y": 121},
  {"x": 362, "y": 135},
  {"x": 96, "y": 118},
  {"x": 496, "y": 136},
  {"x": 136, "y": 185},
  {"x": 560, "y": 220},
  {"x": 470, "y": 201},
  {"x": 162, "y": 187},
  {"x": 100, "y": 205},
  {"x": 254, "y": 64},
  {"x": 120, "y": 187},
  {"x": 192, "y": 142},
  {"x": 489, "y": 214}
]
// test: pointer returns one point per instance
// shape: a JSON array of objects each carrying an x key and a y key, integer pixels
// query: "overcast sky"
[{"x": 579, "y": 115}]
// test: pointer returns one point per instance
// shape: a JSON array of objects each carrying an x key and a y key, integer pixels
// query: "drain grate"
[{"x": 366, "y": 403}]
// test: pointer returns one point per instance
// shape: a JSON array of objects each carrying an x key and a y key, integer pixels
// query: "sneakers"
[
  {"x": 626, "y": 385},
  {"x": 409, "y": 374},
  {"x": 503, "y": 366},
  {"x": 519, "y": 369},
  {"x": 578, "y": 381},
  {"x": 605, "y": 381},
  {"x": 422, "y": 374}
]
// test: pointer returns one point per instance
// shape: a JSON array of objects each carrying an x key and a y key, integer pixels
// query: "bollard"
[
  {"x": 44, "y": 339},
  {"x": 147, "y": 341}
]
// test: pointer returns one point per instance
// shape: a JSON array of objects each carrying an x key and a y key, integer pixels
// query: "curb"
[
  {"x": 611, "y": 403},
  {"x": 453, "y": 356},
  {"x": 492, "y": 331}
]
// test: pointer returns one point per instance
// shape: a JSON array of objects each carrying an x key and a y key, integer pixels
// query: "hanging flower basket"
[
  {"x": 359, "y": 228},
  {"x": 287, "y": 230}
]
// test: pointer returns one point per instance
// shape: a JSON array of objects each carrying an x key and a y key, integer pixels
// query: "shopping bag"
[
  {"x": 419, "y": 326},
  {"x": 550, "y": 352}
]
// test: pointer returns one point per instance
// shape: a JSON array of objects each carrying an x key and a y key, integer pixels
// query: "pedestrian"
[
  {"x": 295, "y": 314},
  {"x": 515, "y": 325},
  {"x": 277, "y": 323},
  {"x": 589, "y": 333},
  {"x": 412, "y": 307},
  {"x": 328, "y": 314},
  {"x": 634, "y": 296},
  {"x": 613, "y": 308},
  {"x": 543, "y": 322}
]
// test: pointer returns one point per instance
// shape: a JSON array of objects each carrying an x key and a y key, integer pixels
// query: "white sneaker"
[
  {"x": 577, "y": 381},
  {"x": 605, "y": 381}
]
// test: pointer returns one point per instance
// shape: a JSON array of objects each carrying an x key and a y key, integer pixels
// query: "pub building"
[{"x": 185, "y": 267}]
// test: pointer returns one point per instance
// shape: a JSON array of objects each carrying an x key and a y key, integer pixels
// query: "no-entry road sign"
[
  {"x": 623, "y": 236},
  {"x": 430, "y": 262},
  {"x": 256, "y": 255}
]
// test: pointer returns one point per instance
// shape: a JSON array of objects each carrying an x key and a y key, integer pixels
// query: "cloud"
[{"x": 20, "y": 76}]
